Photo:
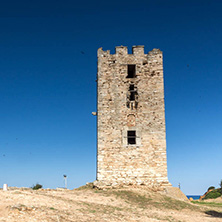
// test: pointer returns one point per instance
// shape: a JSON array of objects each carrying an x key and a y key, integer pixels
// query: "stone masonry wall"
[{"x": 117, "y": 161}]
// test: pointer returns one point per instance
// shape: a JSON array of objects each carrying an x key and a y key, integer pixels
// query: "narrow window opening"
[
  {"x": 131, "y": 87},
  {"x": 132, "y": 92},
  {"x": 132, "y": 95},
  {"x": 131, "y": 71},
  {"x": 131, "y": 137}
]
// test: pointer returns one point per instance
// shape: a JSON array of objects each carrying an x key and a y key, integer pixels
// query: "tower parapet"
[
  {"x": 121, "y": 50},
  {"x": 138, "y": 50}
]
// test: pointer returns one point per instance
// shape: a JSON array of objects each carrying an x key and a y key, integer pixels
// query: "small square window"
[
  {"x": 131, "y": 87},
  {"x": 131, "y": 137},
  {"x": 131, "y": 71}
]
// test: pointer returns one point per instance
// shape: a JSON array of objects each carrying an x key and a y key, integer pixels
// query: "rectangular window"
[
  {"x": 131, "y": 137},
  {"x": 131, "y": 71},
  {"x": 132, "y": 92},
  {"x": 132, "y": 96}
]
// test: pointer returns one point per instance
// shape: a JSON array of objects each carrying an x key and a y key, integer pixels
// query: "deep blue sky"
[{"x": 48, "y": 65}]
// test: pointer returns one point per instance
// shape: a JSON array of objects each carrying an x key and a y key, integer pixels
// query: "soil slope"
[{"x": 86, "y": 204}]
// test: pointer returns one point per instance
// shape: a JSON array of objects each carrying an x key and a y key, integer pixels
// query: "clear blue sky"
[{"x": 48, "y": 65}]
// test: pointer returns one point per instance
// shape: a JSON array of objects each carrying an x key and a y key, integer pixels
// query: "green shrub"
[
  {"x": 88, "y": 186},
  {"x": 211, "y": 188},
  {"x": 220, "y": 186},
  {"x": 213, "y": 194},
  {"x": 37, "y": 186}
]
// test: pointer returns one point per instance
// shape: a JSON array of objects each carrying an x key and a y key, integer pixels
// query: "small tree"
[
  {"x": 211, "y": 188},
  {"x": 220, "y": 186},
  {"x": 37, "y": 186}
]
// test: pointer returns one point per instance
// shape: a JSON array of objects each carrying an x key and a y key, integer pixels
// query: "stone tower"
[{"x": 131, "y": 143}]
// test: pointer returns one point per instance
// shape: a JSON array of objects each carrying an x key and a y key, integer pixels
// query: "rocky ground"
[{"x": 87, "y": 204}]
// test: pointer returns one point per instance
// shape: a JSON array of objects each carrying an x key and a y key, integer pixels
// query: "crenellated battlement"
[
  {"x": 121, "y": 50},
  {"x": 137, "y": 50}
]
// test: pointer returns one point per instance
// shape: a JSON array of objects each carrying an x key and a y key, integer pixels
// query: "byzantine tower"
[{"x": 131, "y": 142}]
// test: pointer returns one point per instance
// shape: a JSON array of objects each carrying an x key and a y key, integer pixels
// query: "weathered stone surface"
[{"x": 119, "y": 162}]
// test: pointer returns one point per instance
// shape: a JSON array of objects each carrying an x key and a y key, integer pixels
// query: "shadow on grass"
[{"x": 213, "y": 213}]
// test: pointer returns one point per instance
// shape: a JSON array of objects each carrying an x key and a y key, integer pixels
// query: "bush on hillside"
[
  {"x": 213, "y": 194},
  {"x": 220, "y": 186},
  {"x": 37, "y": 186},
  {"x": 211, "y": 188},
  {"x": 86, "y": 187}
]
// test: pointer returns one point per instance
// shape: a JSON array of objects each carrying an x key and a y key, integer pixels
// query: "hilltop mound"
[{"x": 88, "y": 204}]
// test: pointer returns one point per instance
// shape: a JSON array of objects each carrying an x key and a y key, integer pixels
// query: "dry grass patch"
[
  {"x": 146, "y": 200},
  {"x": 211, "y": 204}
]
